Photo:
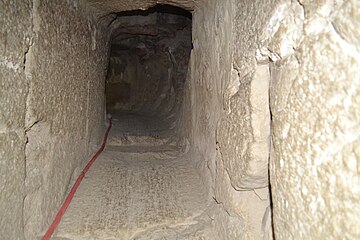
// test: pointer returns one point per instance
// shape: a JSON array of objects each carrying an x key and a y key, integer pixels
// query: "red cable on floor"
[{"x": 75, "y": 187}]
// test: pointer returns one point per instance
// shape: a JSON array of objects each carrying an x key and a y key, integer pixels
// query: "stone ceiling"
[{"x": 105, "y": 7}]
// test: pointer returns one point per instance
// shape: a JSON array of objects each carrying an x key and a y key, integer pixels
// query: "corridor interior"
[
  {"x": 145, "y": 184},
  {"x": 231, "y": 119},
  {"x": 140, "y": 190}
]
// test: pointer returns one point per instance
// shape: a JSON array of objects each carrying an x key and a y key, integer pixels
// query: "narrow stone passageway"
[
  {"x": 232, "y": 119},
  {"x": 138, "y": 190},
  {"x": 146, "y": 184}
]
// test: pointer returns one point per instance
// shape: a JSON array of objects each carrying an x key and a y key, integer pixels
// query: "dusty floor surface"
[{"x": 138, "y": 190}]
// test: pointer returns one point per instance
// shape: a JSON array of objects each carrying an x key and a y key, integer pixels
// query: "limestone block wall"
[
  {"x": 230, "y": 113},
  {"x": 308, "y": 53},
  {"x": 102, "y": 8},
  {"x": 315, "y": 102},
  {"x": 53, "y": 62},
  {"x": 15, "y": 32}
]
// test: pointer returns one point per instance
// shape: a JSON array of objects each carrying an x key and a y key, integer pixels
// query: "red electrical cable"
[{"x": 75, "y": 187}]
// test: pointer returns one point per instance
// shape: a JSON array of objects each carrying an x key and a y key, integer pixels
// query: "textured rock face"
[
  {"x": 313, "y": 97},
  {"x": 14, "y": 42},
  {"x": 315, "y": 105},
  {"x": 230, "y": 114},
  {"x": 104, "y": 7},
  {"x": 52, "y": 107},
  {"x": 65, "y": 105},
  {"x": 244, "y": 132}
]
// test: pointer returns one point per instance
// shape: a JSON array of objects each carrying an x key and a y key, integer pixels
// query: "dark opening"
[{"x": 147, "y": 70}]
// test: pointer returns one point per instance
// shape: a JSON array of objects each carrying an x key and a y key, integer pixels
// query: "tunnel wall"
[
  {"x": 306, "y": 55},
  {"x": 15, "y": 32},
  {"x": 230, "y": 114},
  {"x": 53, "y": 113},
  {"x": 102, "y": 8},
  {"x": 315, "y": 102}
]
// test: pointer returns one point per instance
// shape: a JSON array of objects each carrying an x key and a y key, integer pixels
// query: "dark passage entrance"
[{"x": 147, "y": 69}]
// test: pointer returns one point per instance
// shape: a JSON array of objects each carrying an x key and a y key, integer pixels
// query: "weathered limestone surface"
[
  {"x": 230, "y": 114},
  {"x": 65, "y": 106},
  {"x": 52, "y": 69},
  {"x": 315, "y": 131},
  {"x": 148, "y": 192},
  {"x": 103, "y": 7},
  {"x": 244, "y": 132},
  {"x": 15, "y": 32}
]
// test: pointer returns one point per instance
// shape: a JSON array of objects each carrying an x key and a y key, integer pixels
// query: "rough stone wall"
[
  {"x": 315, "y": 102},
  {"x": 103, "y": 7},
  {"x": 15, "y": 31},
  {"x": 244, "y": 132},
  {"x": 230, "y": 113},
  {"x": 308, "y": 53},
  {"x": 53, "y": 62}
]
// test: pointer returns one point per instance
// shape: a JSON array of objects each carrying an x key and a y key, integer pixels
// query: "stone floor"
[
  {"x": 134, "y": 129},
  {"x": 138, "y": 191}
]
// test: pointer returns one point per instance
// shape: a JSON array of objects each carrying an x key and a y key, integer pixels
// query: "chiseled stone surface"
[
  {"x": 128, "y": 195},
  {"x": 137, "y": 194},
  {"x": 244, "y": 134},
  {"x": 65, "y": 110},
  {"x": 315, "y": 131},
  {"x": 230, "y": 117},
  {"x": 52, "y": 63},
  {"x": 15, "y": 32},
  {"x": 103, "y": 7}
]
